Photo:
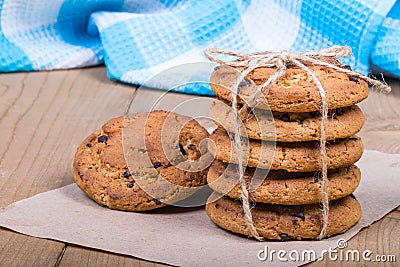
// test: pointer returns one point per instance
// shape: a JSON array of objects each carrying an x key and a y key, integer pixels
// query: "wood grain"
[
  {"x": 79, "y": 256},
  {"x": 382, "y": 238},
  {"x": 43, "y": 118},
  {"x": 45, "y": 115},
  {"x": 383, "y": 106},
  {"x": 24, "y": 251}
]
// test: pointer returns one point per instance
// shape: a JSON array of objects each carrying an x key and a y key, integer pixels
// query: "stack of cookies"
[{"x": 286, "y": 203}]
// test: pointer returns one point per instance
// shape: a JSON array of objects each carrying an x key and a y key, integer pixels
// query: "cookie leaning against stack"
[
  {"x": 102, "y": 172},
  {"x": 287, "y": 202}
]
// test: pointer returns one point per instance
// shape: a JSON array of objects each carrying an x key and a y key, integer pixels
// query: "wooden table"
[{"x": 45, "y": 115}]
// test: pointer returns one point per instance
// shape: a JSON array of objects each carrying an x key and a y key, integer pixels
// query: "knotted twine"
[{"x": 280, "y": 61}]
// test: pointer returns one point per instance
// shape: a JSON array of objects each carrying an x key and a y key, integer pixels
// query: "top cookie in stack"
[
  {"x": 295, "y": 102},
  {"x": 296, "y": 91},
  {"x": 292, "y": 186}
]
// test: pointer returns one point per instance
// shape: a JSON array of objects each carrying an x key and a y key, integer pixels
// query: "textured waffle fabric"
[{"x": 137, "y": 39}]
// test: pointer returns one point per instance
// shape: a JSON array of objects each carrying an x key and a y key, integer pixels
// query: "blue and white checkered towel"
[{"x": 138, "y": 38}]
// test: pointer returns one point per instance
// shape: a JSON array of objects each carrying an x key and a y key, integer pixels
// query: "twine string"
[
  {"x": 322, "y": 144},
  {"x": 280, "y": 61},
  {"x": 239, "y": 147}
]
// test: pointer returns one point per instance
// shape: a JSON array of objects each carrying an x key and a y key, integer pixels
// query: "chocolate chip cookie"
[
  {"x": 282, "y": 187},
  {"x": 284, "y": 223},
  {"x": 295, "y": 91},
  {"x": 292, "y": 127},
  {"x": 103, "y": 166},
  {"x": 292, "y": 157}
]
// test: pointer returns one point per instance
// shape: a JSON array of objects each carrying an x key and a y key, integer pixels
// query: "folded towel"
[{"x": 137, "y": 39}]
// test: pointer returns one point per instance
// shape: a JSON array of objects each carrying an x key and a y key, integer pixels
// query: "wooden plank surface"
[
  {"x": 79, "y": 256},
  {"x": 43, "y": 118},
  {"x": 45, "y": 115}
]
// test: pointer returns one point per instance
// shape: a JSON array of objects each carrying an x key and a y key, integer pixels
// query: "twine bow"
[{"x": 281, "y": 61}]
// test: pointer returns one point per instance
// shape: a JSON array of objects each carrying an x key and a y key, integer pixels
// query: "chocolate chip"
[
  {"x": 80, "y": 174},
  {"x": 182, "y": 150},
  {"x": 191, "y": 146},
  {"x": 102, "y": 138},
  {"x": 354, "y": 79},
  {"x": 353, "y": 138},
  {"x": 347, "y": 67},
  {"x": 285, "y": 117},
  {"x": 284, "y": 237},
  {"x": 130, "y": 185},
  {"x": 157, "y": 164},
  {"x": 317, "y": 176},
  {"x": 126, "y": 174},
  {"x": 352, "y": 196},
  {"x": 339, "y": 111},
  {"x": 244, "y": 83},
  {"x": 300, "y": 215},
  {"x": 217, "y": 205},
  {"x": 89, "y": 145},
  {"x": 158, "y": 202}
]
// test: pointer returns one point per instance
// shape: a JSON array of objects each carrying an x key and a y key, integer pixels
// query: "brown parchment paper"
[{"x": 186, "y": 237}]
